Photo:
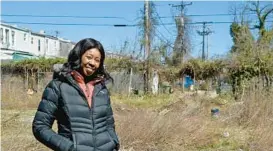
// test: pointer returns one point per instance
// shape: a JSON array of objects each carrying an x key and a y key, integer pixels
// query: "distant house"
[
  {"x": 15, "y": 39},
  {"x": 65, "y": 47},
  {"x": 37, "y": 44},
  {"x": 12, "y": 39},
  {"x": 52, "y": 47}
]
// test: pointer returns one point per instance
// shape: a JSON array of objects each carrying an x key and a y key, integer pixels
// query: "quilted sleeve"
[{"x": 44, "y": 118}]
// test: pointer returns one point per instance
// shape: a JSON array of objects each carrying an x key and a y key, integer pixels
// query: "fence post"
[
  {"x": 155, "y": 81},
  {"x": 130, "y": 81},
  {"x": 38, "y": 71},
  {"x": 27, "y": 80}
]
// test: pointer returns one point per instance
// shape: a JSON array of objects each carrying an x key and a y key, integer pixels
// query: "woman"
[{"x": 79, "y": 100}]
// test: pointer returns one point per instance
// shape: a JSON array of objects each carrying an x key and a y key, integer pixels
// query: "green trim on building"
[{"x": 19, "y": 55}]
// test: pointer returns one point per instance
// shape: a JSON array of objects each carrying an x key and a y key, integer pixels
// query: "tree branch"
[
  {"x": 264, "y": 7},
  {"x": 267, "y": 13}
]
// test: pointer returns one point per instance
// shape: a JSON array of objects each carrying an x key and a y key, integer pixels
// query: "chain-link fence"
[
  {"x": 123, "y": 85},
  {"x": 36, "y": 82}
]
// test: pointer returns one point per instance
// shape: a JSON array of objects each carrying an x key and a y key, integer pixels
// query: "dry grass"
[
  {"x": 16, "y": 131},
  {"x": 257, "y": 115},
  {"x": 14, "y": 95},
  {"x": 182, "y": 125},
  {"x": 173, "y": 122}
]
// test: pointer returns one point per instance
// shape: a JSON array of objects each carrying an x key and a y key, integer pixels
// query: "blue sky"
[{"x": 113, "y": 37}]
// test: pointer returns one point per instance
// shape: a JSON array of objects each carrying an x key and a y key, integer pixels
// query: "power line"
[
  {"x": 205, "y": 15},
  {"x": 163, "y": 39},
  {"x": 112, "y": 25},
  {"x": 66, "y": 16},
  {"x": 162, "y": 23},
  {"x": 68, "y": 24},
  {"x": 112, "y": 17}
]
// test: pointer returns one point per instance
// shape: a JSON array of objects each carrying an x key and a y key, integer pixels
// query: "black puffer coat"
[{"x": 80, "y": 127}]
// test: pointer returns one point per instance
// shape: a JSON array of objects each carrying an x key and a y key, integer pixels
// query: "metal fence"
[
  {"x": 37, "y": 82},
  {"x": 124, "y": 83}
]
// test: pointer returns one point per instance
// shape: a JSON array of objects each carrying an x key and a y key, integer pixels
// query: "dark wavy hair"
[{"x": 74, "y": 57}]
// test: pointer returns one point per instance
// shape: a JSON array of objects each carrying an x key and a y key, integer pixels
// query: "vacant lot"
[{"x": 174, "y": 122}]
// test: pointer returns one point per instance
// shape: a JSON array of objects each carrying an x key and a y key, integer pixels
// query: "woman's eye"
[{"x": 89, "y": 57}]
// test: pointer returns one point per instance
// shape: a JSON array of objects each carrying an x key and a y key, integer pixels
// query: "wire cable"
[
  {"x": 66, "y": 16},
  {"x": 113, "y": 25},
  {"x": 162, "y": 23}
]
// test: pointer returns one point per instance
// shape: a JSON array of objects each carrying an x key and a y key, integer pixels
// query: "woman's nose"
[{"x": 92, "y": 62}]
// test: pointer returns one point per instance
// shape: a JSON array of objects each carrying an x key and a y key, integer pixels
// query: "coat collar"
[
  {"x": 80, "y": 79},
  {"x": 98, "y": 83}
]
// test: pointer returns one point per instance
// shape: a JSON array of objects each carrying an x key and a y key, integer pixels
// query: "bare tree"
[{"x": 263, "y": 14}]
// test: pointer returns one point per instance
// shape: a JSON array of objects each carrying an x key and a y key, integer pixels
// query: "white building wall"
[
  {"x": 20, "y": 40},
  {"x": 27, "y": 41},
  {"x": 4, "y": 56},
  {"x": 37, "y": 45},
  {"x": 53, "y": 47},
  {"x": 5, "y": 40}
]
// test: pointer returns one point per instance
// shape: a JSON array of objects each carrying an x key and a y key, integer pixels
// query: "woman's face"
[{"x": 90, "y": 61}]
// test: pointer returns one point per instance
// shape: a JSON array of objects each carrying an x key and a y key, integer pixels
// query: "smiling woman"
[
  {"x": 90, "y": 61},
  {"x": 79, "y": 100}
]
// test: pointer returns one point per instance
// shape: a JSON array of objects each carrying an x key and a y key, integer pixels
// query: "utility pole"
[
  {"x": 207, "y": 47},
  {"x": 203, "y": 34},
  {"x": 147, "y": 47},
  {"x": 181, "y": 34},
  {"x": 181, "y": 6},
  {"x": 181, "y": 29}
]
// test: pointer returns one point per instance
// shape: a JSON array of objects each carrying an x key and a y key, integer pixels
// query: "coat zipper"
[
  {"x": 93, "y": 122},
  {"x": 81, "y": 91},
  {"x": 91, "y": 109}
]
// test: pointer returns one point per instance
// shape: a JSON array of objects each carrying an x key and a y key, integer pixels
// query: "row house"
[{"x": 19, "y": 40}]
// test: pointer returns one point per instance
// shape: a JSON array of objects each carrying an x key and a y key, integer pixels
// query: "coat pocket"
[
  {"x": 111, "y": 139},
  {"x": 113, "y": 136}
]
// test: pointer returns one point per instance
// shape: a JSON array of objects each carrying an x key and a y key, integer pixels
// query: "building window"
[
  {"x": 39, "y": 45},
  {"x": 7, "y": 36},
  {"x": 25, "y": 36},
  {"x": 55, "y": 46},
  {"x": 12, "y": 37},
  {"x": 31, "y": 40},
  {"x": 1, "y": 35},
  {"x": 46, "y": 44}
]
